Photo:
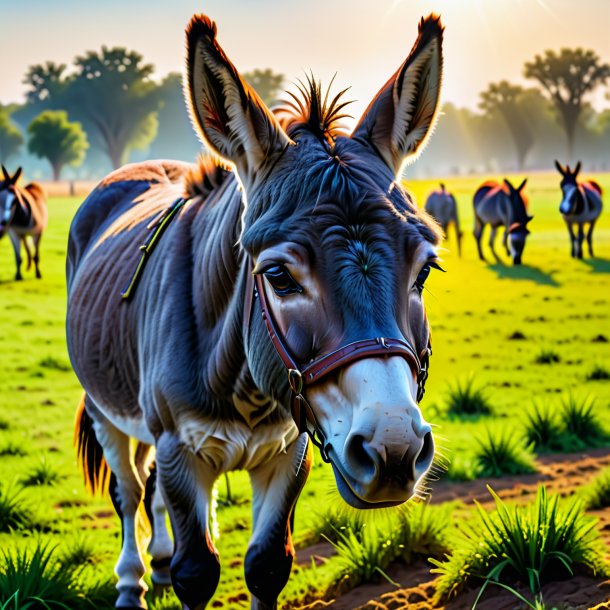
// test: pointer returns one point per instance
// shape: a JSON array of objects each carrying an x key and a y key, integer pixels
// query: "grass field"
[{"x": 558, "y": 304}]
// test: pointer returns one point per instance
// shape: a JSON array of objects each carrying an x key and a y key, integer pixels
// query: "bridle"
[{"x": 300, "y": 378}]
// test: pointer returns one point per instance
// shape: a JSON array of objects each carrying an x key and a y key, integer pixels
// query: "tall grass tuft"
[
  {"x": 32, "y": 580},
  {"x": 581, "y": 423},
  {"x": 42, "y": 473},
  {"x": 532, "y": 544},
  {"x": 542, "y": 430},
  {"x": 502, "y": 453},
  {"x": 12, "y": 449},
  {"x": 14, "y": 512},
  {"x": 422, "y": 532},
  {"x": 547, "y": 356},
  {"x": 596, "y": 495},
  {"x": 466, "y": 398},
  {"x": 598, "y": 373}
]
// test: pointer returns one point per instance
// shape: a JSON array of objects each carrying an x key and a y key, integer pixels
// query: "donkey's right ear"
[
  {"x": 7, "y": 176},
  {"x": 16, "y": 175},
  {"x": 231, "y": 118},
  {"x": 403, "y": 112},
  {"x": 560, "y": 168}
]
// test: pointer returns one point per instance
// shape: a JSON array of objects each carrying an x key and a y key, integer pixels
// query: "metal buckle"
[{"x": 295, "y": 381}]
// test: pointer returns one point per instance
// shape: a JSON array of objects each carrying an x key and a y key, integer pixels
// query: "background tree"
[
  {"x": 54, "y": 137},
  {"x": 266, "y": 83},
  {"x": 567, "y": 77},
  {"x": 176, "y": 137},
  {"x": 112, "y": 91},
  {"x": 504, "y": 99},
  {"x": 11, "y": 139}
]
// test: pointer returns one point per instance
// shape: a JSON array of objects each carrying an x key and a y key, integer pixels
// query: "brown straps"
[{"x": 299, "y": 379}]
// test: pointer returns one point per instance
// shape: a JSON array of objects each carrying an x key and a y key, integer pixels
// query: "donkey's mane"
[{"x": 311, "y": 109}]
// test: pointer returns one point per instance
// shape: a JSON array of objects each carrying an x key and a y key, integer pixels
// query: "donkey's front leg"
[
  {"x": 16, "y": 242},
  {"x": 187, "y": 486},
  {"x": 590, "y": 238},
  {"x": 275, "y": 488}
]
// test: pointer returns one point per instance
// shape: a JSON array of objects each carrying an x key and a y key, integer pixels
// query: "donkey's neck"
[{"x": 218, "y": 289}]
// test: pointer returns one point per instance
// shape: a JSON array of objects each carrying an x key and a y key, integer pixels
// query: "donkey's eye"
[
  {"x": 281, "y": 281},
  {"x": 422, "y": 276}
]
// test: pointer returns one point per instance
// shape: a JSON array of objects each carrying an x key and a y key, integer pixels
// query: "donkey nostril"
[
  {"x": 361, "y": 458},
  {"x": 425, "y": 455}
]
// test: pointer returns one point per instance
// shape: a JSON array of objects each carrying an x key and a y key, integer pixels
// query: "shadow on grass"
[
  {"x": 598, "y": 265},
  {"x": 524, "y": 272}
]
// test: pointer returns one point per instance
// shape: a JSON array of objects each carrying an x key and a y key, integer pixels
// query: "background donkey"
[
  {"x": 581, "y": 203},
  {"x": 502, "y": 205},
  {"x": 24, "y": 214},
  {"x": 295, "y": 279},
  {"x": 441, "y": 204}
]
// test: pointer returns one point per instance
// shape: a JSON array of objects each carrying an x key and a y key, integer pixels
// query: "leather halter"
[{"x": 300, "y": 378}]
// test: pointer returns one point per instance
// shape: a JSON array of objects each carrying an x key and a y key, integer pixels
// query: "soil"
[{"x": 561, "y": 473}]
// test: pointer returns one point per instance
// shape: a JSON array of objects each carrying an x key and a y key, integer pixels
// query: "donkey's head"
[
  {"x": 517, "y": 231},
  {"x": 569, "y": 188},
  {"x": 342, "y": 255},
  {"x": 8, "y": 199}
]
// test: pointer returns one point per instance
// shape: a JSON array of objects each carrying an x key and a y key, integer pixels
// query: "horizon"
[{"x": 262, "y": 37}]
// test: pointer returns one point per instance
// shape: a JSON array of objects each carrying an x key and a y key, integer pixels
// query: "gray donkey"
[
  {"x": 23, "y": 214},
  {"x": 441, "y": 204},
  {"x": 581, "y": 204},
  {"x": 502, "y": 205},
  {"x": 273, "y": 301}
]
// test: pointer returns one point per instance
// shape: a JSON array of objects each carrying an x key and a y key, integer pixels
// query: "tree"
[
  {"x": 11, "y": 139},
  {"x": 112, "y": 91},
  {"x": 176, "y": 137},
  {"x": 54, "y": 137},
  {"x": 266, "y": 83},
  {"x": 46, "y": 83},
  {"x": 567, "y": 77},
  {"x": 504, "y": 99}
]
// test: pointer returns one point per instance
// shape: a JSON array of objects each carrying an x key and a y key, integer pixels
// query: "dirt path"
[{"x": 562, "y": 473}]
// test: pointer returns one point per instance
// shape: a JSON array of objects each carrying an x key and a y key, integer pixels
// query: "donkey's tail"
[{"x": 89, "y": 452}]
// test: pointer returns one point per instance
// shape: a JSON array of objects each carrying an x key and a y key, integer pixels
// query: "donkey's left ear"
[
  {"x": 576, "y": 170},
  {"x": 7, "y": 176},
  {"x": 520, "y": 187},
  {"x": 230, "y": 117},
  {"x": 16, "y": 175},
  {"x": 402, "y": 114}
]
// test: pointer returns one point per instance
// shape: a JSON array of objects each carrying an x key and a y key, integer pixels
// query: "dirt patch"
[{"x": 561, "y": 473}]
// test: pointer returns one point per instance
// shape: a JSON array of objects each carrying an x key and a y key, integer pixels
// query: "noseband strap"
[{"x": 300, "y": 378}]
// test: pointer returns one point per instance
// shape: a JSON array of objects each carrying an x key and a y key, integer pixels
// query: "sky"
[{"x": 362, "y": 41}]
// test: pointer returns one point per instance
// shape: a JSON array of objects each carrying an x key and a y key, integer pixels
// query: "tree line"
[{"x": 106, "y": 109}]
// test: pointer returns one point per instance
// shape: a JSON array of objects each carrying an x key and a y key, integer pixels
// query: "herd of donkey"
[{"x": 24, "y": 214}]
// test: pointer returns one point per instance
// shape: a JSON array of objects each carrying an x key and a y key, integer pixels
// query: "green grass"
[
  {"x": 596, "y": 495},
  {"x": 502, "y": 452},
  {"x": 33, "y": 580},
  {"x": 531, "y": 544},
  {"x": 466, "y": 398},
  {"x": 581, "y": 422},
  {"x": 15, "y": 513},
  {"x": 542, "y": 429},
  {"x": 598, "y": 373},
  {"x": 547, "y": 356},
  {"x": 42, "y": 473},
  {"x": 473, "y": 310}
]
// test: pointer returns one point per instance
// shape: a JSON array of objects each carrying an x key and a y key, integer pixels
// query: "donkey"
[
  {"x": 24, "y": 214},
  {"x": 283, "y": 304},
  {"x": 441, "y": 204},
  {"x": 581, "y": 203},
  {"x": 502, "y": 205}
]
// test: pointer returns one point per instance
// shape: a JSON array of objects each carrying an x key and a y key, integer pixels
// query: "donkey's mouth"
[{"x": 349, "y": 495}]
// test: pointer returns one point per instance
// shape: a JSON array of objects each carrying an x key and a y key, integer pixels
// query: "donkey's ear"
[
  {"x": 520, "y": 187},
  {"x": 403, "y": 112},
  {"x": 510, "y": 187},
  {"x": 7, "y": 176},
  {"x": 230, "y": 117},
  {"x": 576, "y": 170},
  {"x": 560, "y": 168},
  {"x": 16, "y": 175}
]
